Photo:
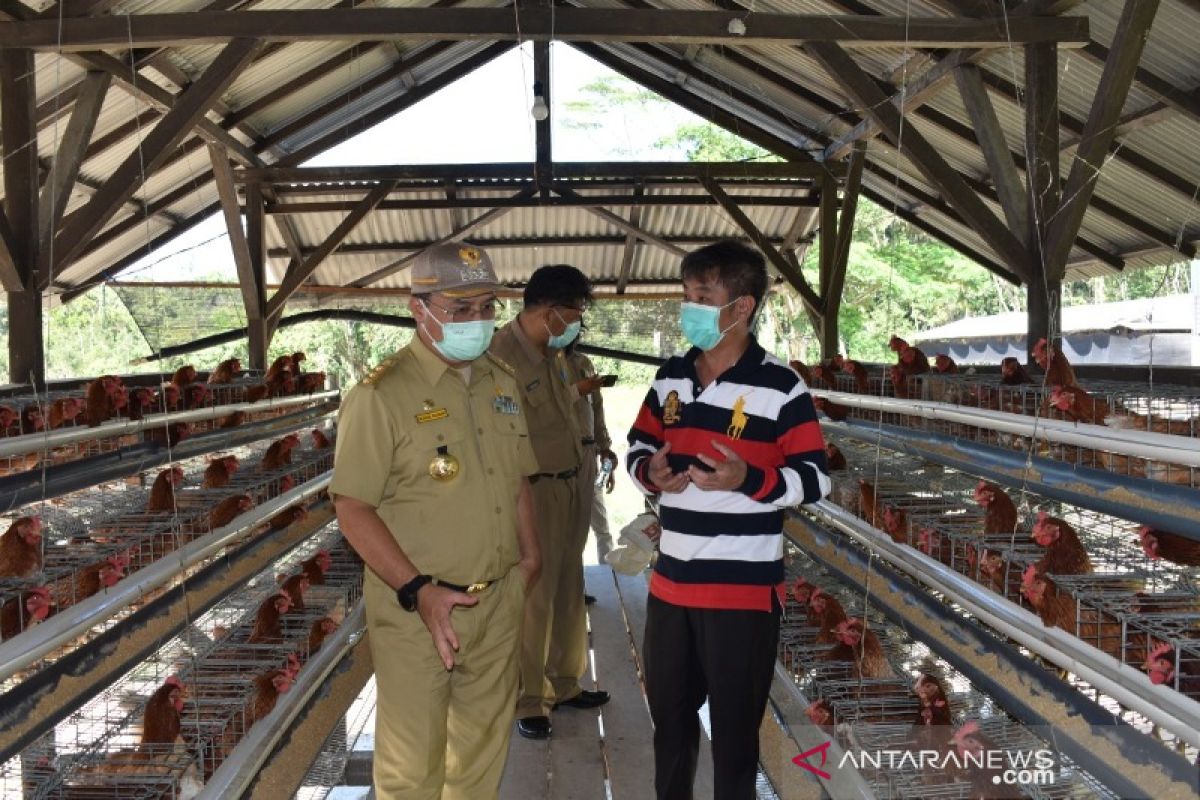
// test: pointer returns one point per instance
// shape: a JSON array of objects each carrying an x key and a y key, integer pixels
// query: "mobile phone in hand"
[{"x": 608, "y": 380}]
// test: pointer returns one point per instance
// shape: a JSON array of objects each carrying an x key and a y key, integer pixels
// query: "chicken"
[
  {"x": 834, "y": 458},
  {"x": 822, "y": 377},
  {"x": 932, "y": 720},
  {"x": 820, "y": 713},
  {"x": 897, "y": 345},
  {"x": 196, "y": 395},
  {"x": 64, "y": 411},
  {"x": 229, "y": 509},
  {"x": 255, "y": 393},
  {"x": 826, "y": 614},
  {"x": 1000, "y": 515},
  {"x": 973, "y": 749},
  {"x": 31, "y": 419},
  {"x": 310, "y": 382},
  {"x": 314, "y": 568},
  {"x": 287, "y": 517},
  {"x": 801, "y": 370},
  {"x": 161, "y": 721},
  {"x": 1155, "y": 423},
  {"x": 142, "y": 401},
  {"x": 899, "y": 382},
  {"x": 297, "y": 358},
  {"x": 913, "y": 361},
  {"x": 9, "y": 417},
  {"x": 268, "y": 628},
  {"x": 278, "y": 367},
  {"x": 21, "y": 548},
  {"x": 868, "y": 504},
  {"x": 1160, "y": 666},
  {"x": 931, "y": 542},
  {"x": 1058, "y": 369},
  {"x": 944, "y": 364},
  {"x": 226, "y": 371},
  {"x": 162, "y": 492},
  {"x": 1076, "y": 405},
  {"x": 232, "y": 420},
  {"x": 24, "y": 610},
  {"x": 280, "y": 452},
  {"x": 294, "y": 587},
  {"x": 992, "y": 567},
  {"x": 103, "y": 399},
  {"x": 862, "y": 383},
  {"x": 861, "y": 647},
  {"x": 168, "y": 435},
  {"x": 1065, "y": 554},
  {"x": 1059, "y": 609},
  {"x": 282, "y": 385},
  {"x": 168, "y": 397},
  {"x": 219, "y": 472},
  {"x": 319, "y": 440},
  {"x": 1171, "y": 546},
  {"x": 895, "y": 523},
  {"x": 1013, "y": 372},
  {"x": 184, "y": 376},
  {"x": 321, "y": 629},
  {"x": 267, "y": 688},
  {"x": 94, "y": 577},
  {"x": 834, "y": 411},
  {"x": 801, "y": 590}
]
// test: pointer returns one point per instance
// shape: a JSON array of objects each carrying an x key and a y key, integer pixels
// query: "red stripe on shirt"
[
  {"x": 770, "y": 479},
  {"x": 732, "y": 596},
  {"x": 802, "y": 438},
  {"x": 693, "y": 441},
  {"x": 650, "y": 424}
]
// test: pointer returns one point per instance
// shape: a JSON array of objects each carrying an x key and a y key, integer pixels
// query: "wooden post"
[
  {"x": 1043, "y": 189},
  {"x": 259, "y": 326},
  {"x": 828, "y": 329},
  {"x": 18, "y": 135}
]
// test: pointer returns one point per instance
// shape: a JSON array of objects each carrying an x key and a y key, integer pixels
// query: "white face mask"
[{"x": 461, "y": 341}]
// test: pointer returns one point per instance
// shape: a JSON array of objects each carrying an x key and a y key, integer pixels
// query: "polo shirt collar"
[{"x": 747, "y": 362}]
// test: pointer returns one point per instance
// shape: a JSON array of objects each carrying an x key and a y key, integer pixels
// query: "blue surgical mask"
[
  {"x": 566, "y": 337},
  {"x": 702, "y": 324},
  {"x": 463, "y": 341}
]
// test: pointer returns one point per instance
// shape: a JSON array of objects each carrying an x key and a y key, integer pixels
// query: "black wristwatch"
[{"x": 407, "y": 594}]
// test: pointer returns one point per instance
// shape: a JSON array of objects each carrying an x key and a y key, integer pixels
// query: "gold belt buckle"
[{"x": 477, "y": 587}]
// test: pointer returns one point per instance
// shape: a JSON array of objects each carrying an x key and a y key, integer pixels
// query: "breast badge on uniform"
[
  {"x": 431, "y": 414},
  {"x": 504, "y": 404},
  {"x": 671, "y": 408},
  {"x": 444, "y": 466}
]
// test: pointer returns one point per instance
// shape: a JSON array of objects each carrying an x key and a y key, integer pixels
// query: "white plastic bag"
[{"x": 635, "y": 547}]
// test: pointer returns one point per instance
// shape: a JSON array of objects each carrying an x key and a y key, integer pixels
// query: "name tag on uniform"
[
  {"x": 530, "y": 387},
  {"x": 433, "y": 415},
  {"x": 503, "y": 404}
]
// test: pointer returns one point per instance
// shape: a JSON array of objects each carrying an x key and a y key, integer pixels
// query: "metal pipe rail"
[
  {"x": 23, "y": 651},
  {"x": 34, "y": 486},
  {"x": 1160, "y": 505},
  {"x": 43, "y": 442},
  {"x": 236, "y": 774},
  {"x": 1140, "y": 444},
  {"x": 1128, "y": 762},
  {"x": 1162, "y": 705}
]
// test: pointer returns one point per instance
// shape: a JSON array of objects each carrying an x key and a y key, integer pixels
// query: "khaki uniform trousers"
[
  {"x": 554, "y": 651},
  {"x": 438, "y": 734}
]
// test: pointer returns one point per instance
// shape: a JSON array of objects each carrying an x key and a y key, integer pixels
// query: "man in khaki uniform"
[
  {"x": 554, "y": 641},
  {"x": 430, "y": 488},
  {"x": 597, "y": 446}
]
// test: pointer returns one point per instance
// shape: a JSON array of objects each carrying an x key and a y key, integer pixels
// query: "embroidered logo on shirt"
[
  {"x": 739, "y": 420},
  {"x": 671, "y": 408}
]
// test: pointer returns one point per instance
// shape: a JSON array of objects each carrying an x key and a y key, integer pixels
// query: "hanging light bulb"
[{"x": 539, "y": 110}]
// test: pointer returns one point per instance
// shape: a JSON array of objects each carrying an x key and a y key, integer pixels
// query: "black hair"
[
  {"x": 740, "y": 269},
  {"x": 558, "y": 285}
]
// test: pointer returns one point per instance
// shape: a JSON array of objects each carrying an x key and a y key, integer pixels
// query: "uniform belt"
[
  {"x": 565, "y": 475},
  {"x": 474, "y": 588},
  {"x": 587, "y": 442}
]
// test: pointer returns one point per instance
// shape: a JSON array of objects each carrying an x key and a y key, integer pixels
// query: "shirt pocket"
[{"x": 437, "y": 448}]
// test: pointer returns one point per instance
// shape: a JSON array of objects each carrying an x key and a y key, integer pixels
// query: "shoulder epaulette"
[
  {"x": 502, "y": 364},
  {"x": 381, "y": 369}
]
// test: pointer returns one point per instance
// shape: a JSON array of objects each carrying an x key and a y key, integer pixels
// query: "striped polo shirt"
[{"x": 724, "y": 549}]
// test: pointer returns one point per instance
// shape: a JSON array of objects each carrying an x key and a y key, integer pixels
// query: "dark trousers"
[{"x": 726, "y": 656}]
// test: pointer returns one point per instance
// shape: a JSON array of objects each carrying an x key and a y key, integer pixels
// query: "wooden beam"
[
  {"x": 295, "y": 277},
  {"x": 10, "y": 275},
  {"x": 622, "y": 223},
  {"x": 56, "y": 191},
  {"x": 1185, "y": 101},
  {"x": 231, "y": 209},
  {"x": 793, "y": 276},
  {"x": 1009, "y": 187},
  {"x": 534, "y": 24},
  {"x": 631, "y": 241},
  {"x": 400, "y": 263},
  {"x": 542, "y": 143},
  {"x": 832, "y": 294},
  {"x": 177, "y": 123},
  {"x": 260, "y": 328},
  {"x": 453, "y": 210},
  {"x": 1133, "y": 29},
  {"x": 862, "y": 88},
  {"x": 1044, "y": 293}
]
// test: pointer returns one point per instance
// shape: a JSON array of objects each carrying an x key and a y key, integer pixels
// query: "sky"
[{"x": 498, "y": 97}]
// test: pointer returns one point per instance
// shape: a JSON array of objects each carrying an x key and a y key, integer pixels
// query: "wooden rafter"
[
  {"x": 832, "y": 294},
  {"x": 80, "y": 227},
  {"x": 628, "y": 226},
  {"x": 230, "y": 208},
  {"x": 1132, "y": 31},
  {"x": 301, "y": 272},
  {"x": 631, "y": 241},
  {"x": 860, "y": 86},
  {"x": 793, "y": 276},
  {"x": 19, "y": 140},
  {"x": 537, "y": 24}
]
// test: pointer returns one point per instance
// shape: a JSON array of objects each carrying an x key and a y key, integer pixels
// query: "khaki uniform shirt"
[
  {"x": 590, "y": 407},
  {"x": 547, "y": 397},
  {"x": 399, "y": 419}
]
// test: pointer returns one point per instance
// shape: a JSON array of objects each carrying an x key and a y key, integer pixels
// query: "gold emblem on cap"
[
  {"x": 469, "y": 255},
  {"x": 444, "y": 467}
]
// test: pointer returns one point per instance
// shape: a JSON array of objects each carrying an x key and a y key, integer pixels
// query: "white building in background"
[{"x": 1161, "y": 330}]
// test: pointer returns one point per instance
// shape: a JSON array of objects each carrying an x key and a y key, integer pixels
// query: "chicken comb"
[
  {"x": 1041, "y": 517},
  {"x": 969, "y": 728},
  {"x": 1161, "y": 649},
  {"x": 1028, "y": 575},
  {"x": 40, "y": 592},
  {"x": 1145, "y": 531},
  {"x": 174, "y": 680}
]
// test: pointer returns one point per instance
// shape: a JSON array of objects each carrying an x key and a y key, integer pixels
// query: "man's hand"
[
  {"x": 531, "y": 570},
  {"x": 727, "y": 475},
  {"x": 434, "y": 604},
  {"x": 661, "y": 475},
  {"x": 588, "y": 385},
  {"x": 611, "y": 481}
]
